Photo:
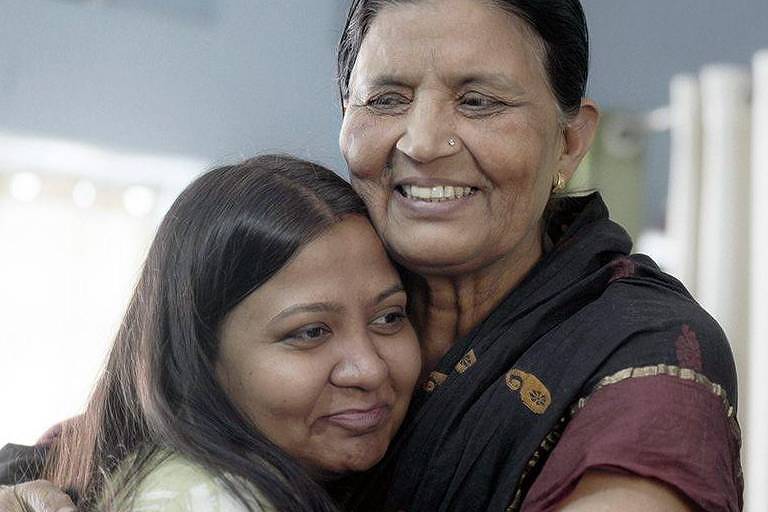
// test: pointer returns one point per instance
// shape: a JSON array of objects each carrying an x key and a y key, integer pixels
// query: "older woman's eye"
[
  {"x": 479, "y": 103},
  {"x": 309, "y": 335},
  {"x": 390, "y": 322},
  {"x": 390, "y": 102}
]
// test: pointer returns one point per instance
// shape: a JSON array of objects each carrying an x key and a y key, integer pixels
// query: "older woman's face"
[
  {"x": 452, "y": 134},
  {"x": 322, "y": 357}
]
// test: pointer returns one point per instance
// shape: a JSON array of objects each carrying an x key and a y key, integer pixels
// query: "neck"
[{"x": 447, "y": 307}]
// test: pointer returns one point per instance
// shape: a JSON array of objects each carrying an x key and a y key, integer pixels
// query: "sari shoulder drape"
[
  {"x": 662, "y": 406},
  {"x": 495, "y": 407}
]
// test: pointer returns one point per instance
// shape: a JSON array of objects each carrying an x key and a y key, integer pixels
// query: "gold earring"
[{"x": 559, "y": 183}]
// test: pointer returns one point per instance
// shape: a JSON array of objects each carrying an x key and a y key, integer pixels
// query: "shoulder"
[
  {"x": 664, "y": 329},
  {"x": 177, "y": 484},
  {"x": 674, "y": 430}
]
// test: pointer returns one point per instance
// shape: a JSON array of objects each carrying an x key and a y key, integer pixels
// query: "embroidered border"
[
  {"x": 653, "y": 371},
  {"x": 551, "y": 439},
  {"x": 466, "y": 362},
  {"x": 541, "y": 453}
]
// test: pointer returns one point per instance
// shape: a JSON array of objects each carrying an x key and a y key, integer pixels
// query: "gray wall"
[
  {"x": 220, "y": 78},
  {"x": 638, "y": 45},
  {"x": 206, "y": 78}
]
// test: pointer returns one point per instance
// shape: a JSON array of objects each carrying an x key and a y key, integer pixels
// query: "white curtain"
[
  {"x": 717, "y": 228},
  {"x": 757, "y": 440}
]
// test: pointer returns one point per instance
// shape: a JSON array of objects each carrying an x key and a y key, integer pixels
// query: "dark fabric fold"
[{"x": 19, "y": 464}]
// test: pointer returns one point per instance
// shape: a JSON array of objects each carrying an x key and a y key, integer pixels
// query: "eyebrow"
[
  {"x": 493, "y": 79},
  {"x": 333, "y": 307},
  {"x": 315, "y": 307},
  {"x": 387, "y": 80},
  {"x": 395, "y": 288}
]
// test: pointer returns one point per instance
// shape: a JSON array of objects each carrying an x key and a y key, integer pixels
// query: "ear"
[{"x": 579, "y": 133}]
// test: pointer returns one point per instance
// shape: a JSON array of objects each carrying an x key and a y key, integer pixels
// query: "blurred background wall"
[
  {"x": 210, "y": 78},
  {"x": 109, "y": 107}
]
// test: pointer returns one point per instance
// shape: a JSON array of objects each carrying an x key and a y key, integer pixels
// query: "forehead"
[
  {"x": 449, "y": 36},
  {"x": 346, "y": 265}
]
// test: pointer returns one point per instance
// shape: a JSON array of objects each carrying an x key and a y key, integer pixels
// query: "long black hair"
[
  {"x": 560, "y": 25},
  {"x": 227, "y": 233}
]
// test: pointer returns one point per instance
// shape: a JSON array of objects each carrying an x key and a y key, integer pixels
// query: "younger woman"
[{"x": 265, "y": 352}]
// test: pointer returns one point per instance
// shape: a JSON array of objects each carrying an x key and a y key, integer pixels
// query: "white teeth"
[
  {"x": 436, "y": 194},
  {"x": 421, "y": 192}
]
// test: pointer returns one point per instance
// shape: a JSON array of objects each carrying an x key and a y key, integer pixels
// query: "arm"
[
  {"x": 603, "y": 490},
  {"x": 645, "y": 438}
]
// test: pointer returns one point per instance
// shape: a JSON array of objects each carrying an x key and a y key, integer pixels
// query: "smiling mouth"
[
  {"x": 361, "y": 421},
  {"x": 435, "y": 194}
]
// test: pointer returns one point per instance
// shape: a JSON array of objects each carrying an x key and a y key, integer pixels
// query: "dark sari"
[{"x": 588, "y": 315}]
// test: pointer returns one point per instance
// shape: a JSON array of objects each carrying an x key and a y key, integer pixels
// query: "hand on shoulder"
[{"x": 36, "y": 496}]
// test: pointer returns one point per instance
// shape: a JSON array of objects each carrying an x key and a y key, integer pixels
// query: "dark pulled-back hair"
[
  {"x": 560, "y": 25},
  {"x": 230, "y": 231}
]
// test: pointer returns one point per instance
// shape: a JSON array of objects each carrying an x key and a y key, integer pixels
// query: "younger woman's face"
[{"x": 322, "y": 357}]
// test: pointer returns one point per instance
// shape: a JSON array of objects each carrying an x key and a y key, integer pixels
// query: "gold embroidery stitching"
[
  {"x": 653, "y": 371},
  {"x": 434, "y": 381},
  {"x": 466, "y": 362},
  {"x": 533, "y": 393}
]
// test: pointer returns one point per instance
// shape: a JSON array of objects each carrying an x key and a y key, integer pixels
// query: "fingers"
[
  {"x": 42, "y": 496},
  {"x": 8, "y": 500}
]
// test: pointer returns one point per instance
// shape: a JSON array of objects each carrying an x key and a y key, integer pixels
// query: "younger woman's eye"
[
  {"x": 309, "y": 335},
  {"x": 390, "y": 322}
]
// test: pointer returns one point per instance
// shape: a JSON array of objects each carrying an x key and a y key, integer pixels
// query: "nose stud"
[{"x": 451, "y": 142}]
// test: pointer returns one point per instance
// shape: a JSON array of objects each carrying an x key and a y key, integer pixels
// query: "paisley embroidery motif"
[
  {"x": 533, "y": 393},
  {"x": 688, "y": 350}
]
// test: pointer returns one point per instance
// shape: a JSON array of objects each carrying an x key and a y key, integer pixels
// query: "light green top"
[{"x": 179, "y": 485}]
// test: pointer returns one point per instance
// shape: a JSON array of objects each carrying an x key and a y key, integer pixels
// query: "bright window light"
[
  {"x": 139, "y": 201},
  {"x": 84, "y": 194},
  {"x": 25, "y": 186}
]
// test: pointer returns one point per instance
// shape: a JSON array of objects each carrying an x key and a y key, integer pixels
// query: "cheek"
[
  {"x": 365, "y": 145},
  {"x": 404, "y": 361},
  {"x": 373, "y": 195},
  {"x": 275, "y": 388},
  {"x": 521, "y": 161}
]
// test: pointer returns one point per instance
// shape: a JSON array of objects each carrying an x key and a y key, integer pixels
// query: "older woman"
[
  {"x": 559, "y": 371},
  {"x": 463, "y": 120}
]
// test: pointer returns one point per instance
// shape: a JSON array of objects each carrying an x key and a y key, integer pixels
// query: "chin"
[
  {"x": 446, "y": 245},
  {"x": 362, "y": 458},
  {"x": 436, "y": 257}
]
